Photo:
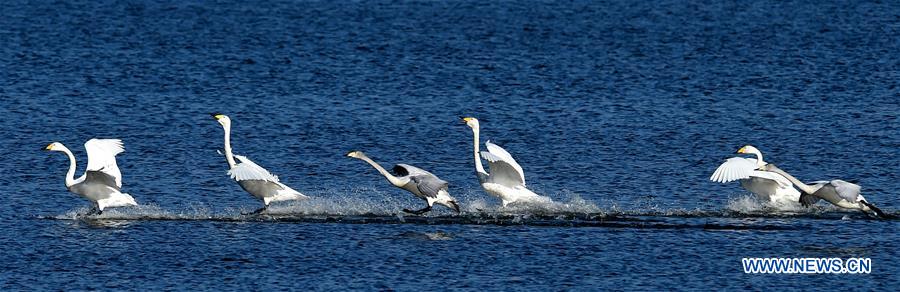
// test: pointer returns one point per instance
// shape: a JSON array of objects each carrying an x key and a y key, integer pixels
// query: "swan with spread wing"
[
  {"x": 837, "y": 192},
  {"x": 766, "y": 185},
  {"x": 506, "y": 179},
  {"x": 101, "y": 182},
  {"x": 253, "y": 178},
  {"x": 420, "y": 183}
]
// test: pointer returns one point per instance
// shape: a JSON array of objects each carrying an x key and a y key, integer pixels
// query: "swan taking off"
[
  {"x": 766, "y": 185},
  {"x": 420, "y": 183},
  {"x": 101, "y": 182},
  {"x": 837, "y": 192},
  {"x": 253, "y": 178},
  {"x": 506, "y": 179}
]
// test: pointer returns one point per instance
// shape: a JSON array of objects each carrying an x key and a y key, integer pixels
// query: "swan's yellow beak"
[
  {"x": 49, "y": 147},
  {"x": 218, "y": 116},
  {"x": 742, "y": 150},
  {"x": 466, "y": 120}
]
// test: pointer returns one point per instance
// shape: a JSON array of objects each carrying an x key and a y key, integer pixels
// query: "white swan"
[
  {"x": 253, "y": 178},
  {"x": 506, "y": 179},
  {"x": 420, "y": 183},
  {"x": 101, "y": 182},
  {"x": 766, "y": 185},
  {"x": 837, "y": 192}
]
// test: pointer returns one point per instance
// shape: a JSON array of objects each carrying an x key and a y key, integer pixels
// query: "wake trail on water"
[{"x": 575, "y": 212}]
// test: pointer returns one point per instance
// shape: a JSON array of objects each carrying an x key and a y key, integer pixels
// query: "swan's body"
[
  {"x": 766, "y": 185},
  {"x": 253, "y": 178},
  {"x": 837, "y": 192},
  {"x": 101, "y": 182},
  {"x": 420, "y": 183},
  {"x": 506, "y": 180}
]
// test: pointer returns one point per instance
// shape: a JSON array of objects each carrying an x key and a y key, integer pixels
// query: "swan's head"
[
  {"x": 356, "y": 154},
  {"x": 747, "y": 149},
  {"x": 471, "y": 122},
  {"x": 223, "y": 120},
  {"x": 55, "y": 146},
  {"x": 752, "y": 150}
]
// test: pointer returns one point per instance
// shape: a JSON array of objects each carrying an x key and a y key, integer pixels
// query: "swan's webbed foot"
[
  {"x": 257, "y": 212},
  {"x": 418, "y": 212},
  {"x": 878, "y": 213}
]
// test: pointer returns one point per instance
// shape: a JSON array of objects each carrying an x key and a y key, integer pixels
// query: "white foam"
[{"x": 750, "y": 204}]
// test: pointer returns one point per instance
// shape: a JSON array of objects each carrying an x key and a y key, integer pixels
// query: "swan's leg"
[
  {"x": 878, "y": 212},
  {"x": 418, "y": 212},
  {"x": 868, "y": 215}
]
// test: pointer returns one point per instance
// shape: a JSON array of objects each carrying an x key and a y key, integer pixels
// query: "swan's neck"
[
  {"x": 393, "y": 179},
  {"x": 228, "y": 156},
  {"x": 70, "y": 176},
  {"x": 759, "y": 159},
  {"x": 479, "y": 169},
  {"x": 800, "y": 185}
]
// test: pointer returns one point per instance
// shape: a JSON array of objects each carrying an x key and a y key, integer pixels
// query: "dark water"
[{"x": 619, "y": 110}]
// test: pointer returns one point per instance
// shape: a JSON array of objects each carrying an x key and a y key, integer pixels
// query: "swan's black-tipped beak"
[
  {"x": 217, "y": 115},
  {"x": 350, "y": 153},
  {"x": 48, "y": 147}
]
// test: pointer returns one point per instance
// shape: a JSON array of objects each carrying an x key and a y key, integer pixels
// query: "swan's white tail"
[{"x": 117, "y": 200}]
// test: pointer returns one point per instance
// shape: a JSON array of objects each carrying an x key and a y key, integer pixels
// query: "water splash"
[
  {"x": 750, "y": 204},
  {"x": 371, "y": 206}
]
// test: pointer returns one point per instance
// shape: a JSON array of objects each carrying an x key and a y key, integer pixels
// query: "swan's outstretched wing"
[
  {"x": 733, "y": 169},
  {"x": 504, "y": 169},
  {"x": 99, "y": 177},
  {"x": 409, "y": 170},
  {"x": 506, "y": 157},
  {"x": 738, "y": 168},
  {"x": 429, "y": 185},
  {"x": 848, "y": 191},
  {"x": 247, "y": 170},
  {"x": 102, "y": 157}
]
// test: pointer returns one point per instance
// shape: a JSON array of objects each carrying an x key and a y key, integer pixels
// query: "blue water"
[{"x": 618, "y": 110}]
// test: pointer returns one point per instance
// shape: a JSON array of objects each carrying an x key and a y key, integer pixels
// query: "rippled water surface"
[{"x": 618, "y": 110}]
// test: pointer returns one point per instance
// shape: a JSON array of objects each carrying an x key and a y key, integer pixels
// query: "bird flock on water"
[{"x": 504, "y": 179}]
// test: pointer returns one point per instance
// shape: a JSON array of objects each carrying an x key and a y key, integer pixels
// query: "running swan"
[
  {"x": 506, "y": 179},
  {"x": 766, "y": 185},
  {"x": 420, "y": 183},
  {"x": 101, "y": 182},
  {"x": 837, "y": 192},
  {"x": 253, "y": 178}
]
